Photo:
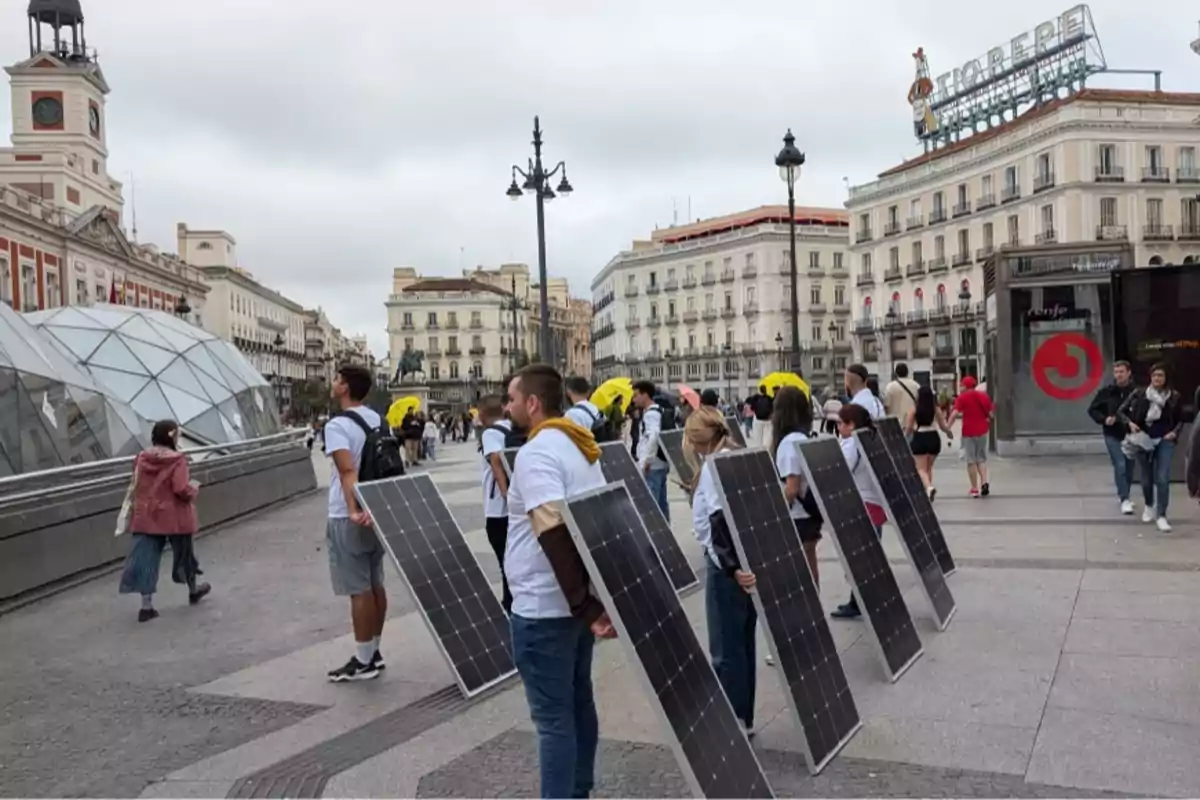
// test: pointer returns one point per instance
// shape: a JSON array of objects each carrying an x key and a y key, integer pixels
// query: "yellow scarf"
[{"x": 579, "y": 435}]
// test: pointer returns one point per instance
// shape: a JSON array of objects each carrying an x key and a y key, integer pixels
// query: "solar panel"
[
  {"x": 787, "y": 599},
  {"x": 912, "y": 532},
  {"x": 456, "y": 600},
  {"x": 617, "y": 465},
  {"x": 735, "y": 431},
  {"x": 861, "y": 552},
  {"x": 672, "y": 445},
  {"x": 708, "y": 741},
  {"x": 897, "y": 447},
  {"x": 510, "y": 459}
]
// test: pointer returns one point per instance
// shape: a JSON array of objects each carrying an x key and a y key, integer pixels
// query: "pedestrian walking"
[
  {"x": 728, "y": 606},
  {"x": 430, "y": 437},
  {"x": 791, "y": 424},
  {"x": 555, "y": 617},
  {"x": 1104, "y": 410},
  {"x": 651, "y": 460},
  {"x": 310, "y": 436},
  {"x": 924, "y": 425},
  {"x": 976, "y": 411},
  {"x": 829, "y": 412},
  {"x": 495, "y": 484},
  {"x": 860, "y": 394},
  {"x": 762, "y": 405},
  {"x": 355, "y": 553},
  {"x": 900, "y": 395},
  {"x": 1154, "y": 418},
  {"x": 161, "y": 505},
  {"x": 854, "y": 417}
]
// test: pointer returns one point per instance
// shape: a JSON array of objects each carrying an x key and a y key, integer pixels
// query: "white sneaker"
[
  {"x": 769, "y": 660},
  {"x": 1126, "y": 506},
  {"x": 1163, "y": 525},
  {"x": 1148, "y": 514}
]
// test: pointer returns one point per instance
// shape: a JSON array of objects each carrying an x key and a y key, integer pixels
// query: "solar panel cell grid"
[
  {"x": 862, "y": 554},
  {"x": 672, "y": 444},
  {"x": 897, "y": 447},
  {"x": 707, "y": 738},
  {"x": 788, "y": 601},
  {"x": 455, "y": 598},
  {"x": 912, "y": 533},
  {"x": 735, "y": 431}
]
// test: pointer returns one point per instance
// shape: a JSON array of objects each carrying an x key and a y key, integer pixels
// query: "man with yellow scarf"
[{"x": 555, "y": 617}]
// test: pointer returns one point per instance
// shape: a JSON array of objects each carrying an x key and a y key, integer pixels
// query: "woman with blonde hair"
[{"x": 728, "y": 606}]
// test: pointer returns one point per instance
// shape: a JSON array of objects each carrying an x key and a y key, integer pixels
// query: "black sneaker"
[
  {"x": 354, "y": 670},
  {"x": 198, "y": 595},
  {"x": 846, "y": 611},
  {"x": 147, "y": 614},
  {"x": 377, "y": 661},
  {"x": 985, "y": 490}
]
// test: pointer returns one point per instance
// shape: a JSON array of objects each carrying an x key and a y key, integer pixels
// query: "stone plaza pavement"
[{"x": 1070, "y": 669}]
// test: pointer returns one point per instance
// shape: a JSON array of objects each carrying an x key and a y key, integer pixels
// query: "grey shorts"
[
  {"x": 974, "y": 449},
  {"x": 355, "y": 557}
]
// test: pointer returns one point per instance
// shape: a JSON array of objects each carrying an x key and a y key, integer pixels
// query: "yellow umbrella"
[
  {"x": 610, "y": 390},
  {"x": 474, "y": 412},
  {"x": 777, "y": 379},
  {"x": 400, "y": 408}
]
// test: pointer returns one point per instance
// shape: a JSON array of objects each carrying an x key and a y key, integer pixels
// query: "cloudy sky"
[{"x": 336, "y": 146}]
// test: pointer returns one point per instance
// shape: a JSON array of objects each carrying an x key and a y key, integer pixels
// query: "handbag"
[{"x": 126, "y": 511}]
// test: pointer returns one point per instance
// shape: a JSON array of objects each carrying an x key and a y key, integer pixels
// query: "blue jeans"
[
  {"x": 731, "y": 642},
  {"x": 1122, "y": 467},
  {"x": 1155, "y": 467},
  {"x": 430, "y": 449},
  {"x": 656, "y": 480},
  {"x": 554, "y": 658}
]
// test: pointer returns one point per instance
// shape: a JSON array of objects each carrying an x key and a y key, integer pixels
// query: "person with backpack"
[
  {"x": 651, "y": 460},
  {"x": 361, "y": 450},
  {"x": 495, "y": 483},
  {"x": 584, "y": 413}
]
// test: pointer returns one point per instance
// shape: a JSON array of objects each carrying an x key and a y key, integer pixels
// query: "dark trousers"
[
  {"x": 497, "y": 533},
  {"x": 731, "y": 643}
]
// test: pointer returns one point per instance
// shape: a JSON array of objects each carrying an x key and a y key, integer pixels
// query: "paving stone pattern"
[{"x": 507, "y": 767}]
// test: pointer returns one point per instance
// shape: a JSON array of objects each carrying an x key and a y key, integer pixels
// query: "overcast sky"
[{"x": 335, "y": 147}]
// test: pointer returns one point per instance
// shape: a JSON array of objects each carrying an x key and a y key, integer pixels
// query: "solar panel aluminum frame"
[
  {"x": 862, "y": 605},
  {"x": 626, "y": 641},
  {"x": 462, "y": 687},
  {"x": 814, "y": 768},
  {"x": 890, "y": 426},
  {"x": 735, "y": 430},
  {"x": 509, "y": 458},
  {"x": 887, "y": 506}
]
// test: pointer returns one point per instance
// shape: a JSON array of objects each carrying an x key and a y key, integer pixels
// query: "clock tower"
[{"x": 59, "y": 141}]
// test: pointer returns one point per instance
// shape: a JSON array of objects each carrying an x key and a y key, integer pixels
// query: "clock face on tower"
[
  {"x": 47, "y": 111},
  {"x": 94, "y": 120}
]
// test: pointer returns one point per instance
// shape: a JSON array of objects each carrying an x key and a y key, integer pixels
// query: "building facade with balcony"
[
  {"x": 459, "y": 328},
  {"x": 709, "y": 304},
  {"x": 1099, "y": 165}
]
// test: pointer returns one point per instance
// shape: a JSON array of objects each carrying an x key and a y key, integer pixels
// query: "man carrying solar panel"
[{"x": 555, "y": 617}]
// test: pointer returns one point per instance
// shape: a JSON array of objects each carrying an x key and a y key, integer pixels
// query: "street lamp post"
[
  {"x": 278, "y": 344},
  {"x": 182, "y": 309},
  {"x": 889, "y": 323},
  {"x": 789, "y": 162},
  {"x": 727, "y": 349},
  {"x": 779, "y": 349},
  {"x": 964, "y": 300},
  {"x": 833, "y": 330},
  {"x": 537, "y": 183}
]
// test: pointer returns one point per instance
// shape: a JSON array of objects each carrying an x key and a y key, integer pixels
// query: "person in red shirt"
[{"x": 975, "y": 409}]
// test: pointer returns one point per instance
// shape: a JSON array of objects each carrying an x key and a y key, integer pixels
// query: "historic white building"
[
  {"x": 709, "y": 304},
  {"x": 1096, "y": 165}
]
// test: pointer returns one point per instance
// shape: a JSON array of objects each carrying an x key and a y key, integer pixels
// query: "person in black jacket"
[
  {"x": 1154, "y": 417},
  {"x": 1103, "y": 411}
]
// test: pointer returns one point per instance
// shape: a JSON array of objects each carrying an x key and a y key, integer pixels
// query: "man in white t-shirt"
[
  {"x": 355, "y": 552},
  {"x": 649, "y": 454},
  {"x": 582, "y": 411},
  {"x": 495, "y": 482},
  {"x": 900, "y": 395},
  {"x": 859, "y": 394},
  {"x": 555, "y": 617}
]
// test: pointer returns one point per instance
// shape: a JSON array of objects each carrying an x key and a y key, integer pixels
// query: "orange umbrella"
[{"x": 689, "y": 395}]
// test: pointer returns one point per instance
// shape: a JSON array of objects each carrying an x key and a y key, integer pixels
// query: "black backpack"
[
  {"x": 601, "y": 427},
  {"x": 380, "y": 454},
  {"x": 513, "y": 436},
  {"x": 669, "y": 422}
]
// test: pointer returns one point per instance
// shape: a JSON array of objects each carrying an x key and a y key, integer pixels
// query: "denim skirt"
[{"x": 140, "y": 575}]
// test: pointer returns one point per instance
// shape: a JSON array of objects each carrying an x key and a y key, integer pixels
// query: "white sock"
[
  {"x": 364, "y": 652},
  {"x": 147, "y": 601},
  {"x": 375, "y": 644}
]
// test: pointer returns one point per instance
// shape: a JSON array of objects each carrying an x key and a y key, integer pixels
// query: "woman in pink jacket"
[{"x": 164, "y": 512}]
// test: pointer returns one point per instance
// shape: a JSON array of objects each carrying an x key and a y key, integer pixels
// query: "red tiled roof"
[
  {"x": 1092, "y": 95},
  {"x": 452, "y": 285},
  {"x": 746, "y": 219}
]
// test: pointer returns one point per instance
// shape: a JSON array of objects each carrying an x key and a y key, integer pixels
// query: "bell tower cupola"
[{"x": 56, "y": 26}]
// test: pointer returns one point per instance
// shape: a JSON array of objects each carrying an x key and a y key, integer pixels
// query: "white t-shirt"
[
  {"x": 549, "y": 467},
  {"x": 788, "y": 462},
  {"x": 344, "y": 434},
  {"x": 859, "y": 469},
  {"x": 492, "y": 441},
  {"x": 584, "y": 413},
  {"x": 431, "y": 430},
  {"x": 867, "y": 399},
  {"x": 705, "y": 503},
  {"x": 648, "y": 436}
]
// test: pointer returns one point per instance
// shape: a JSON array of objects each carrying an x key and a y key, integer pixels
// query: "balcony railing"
[
  {"x": 863, "y": 235},
  {"x": 864, "y": 324},
  {"x": 1187, "y": 175},
  {"x": 816, "y": 271},
  {"x": 654, "y": 322},
  {"x": 937, "y": 215},
  {"x": 962, "y": 259},
  {"x": 937, "y": 264},
  {"x": 962, "y": 209},
  {"x": 708, "y": 279},
  {"x": 749, "y": 271},
  {"x": 841, "y": 308},
  {"x": 1111, "y": 233},
  {"x": 1014, "y": 240},
  {"x": 407, "y": 326},
  {"x": 1110, "y": 173},
  {"x": 433, "y": 352},
  {"x": 1047, "y": 236},
  {"x": 476, "y": 325},
  {"x": 840, "y": 270},
  {"x": 1189, "y": 231},
  {"x": 750, "y": 308},
  {"x": 1158, "y": 233},
  {"x": 985, "y": 201},
  {"x": 865, "y": 279},
  {"x": 1010, "y": 193},
  {"x": 914, "y": 269},
  {"x": 671, "y": 285},
  {"x": 915, "y": 221},
  {"x": 631, "y": 291},
  {"x": 691, "y": 316},
  {"x": 984, "y": 253},
  {"x": 633, "y": 324},
  {"x": 728, "y": 313},
  {"x": 478, "y": 350},
  {"x": 915, "y": 317},
  {"x": 939, "y": 313},
  {"x": 891, "y": 228},
  {"x": 1043, "y": 181},
  {"x": 691, "y": 352},
  {"x": 727, "y": 276},
  {"x": 653, "y": 288},
  {"x": 452, "y": 325},
  {"x": 710, "y": 350},
  {"x": 1158, "y": 174},
  {"x": 892, "y": 274},
  {"x": 814, "y": 308},
  {"x": 689, "y": 283},
  {"x": 672, "y": 319},
  {"x": 453, "y": 351},
  {"x": 709, "y": 314}
]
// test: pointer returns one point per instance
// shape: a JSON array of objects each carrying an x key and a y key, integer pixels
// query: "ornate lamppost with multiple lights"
[
  {"x": 889, "y": 324},
  {"x": 833, "y": 330},
  {"x": 779, "y": 349},
  {"x": 789, "y": 161},
  {"x": 964, "y": 301},
  {"x": 727, "y": 349},
  {"x": 278, "y": 345},
  {"x": 537, "y": 183},
  {"x": 182, "y": 308}
]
